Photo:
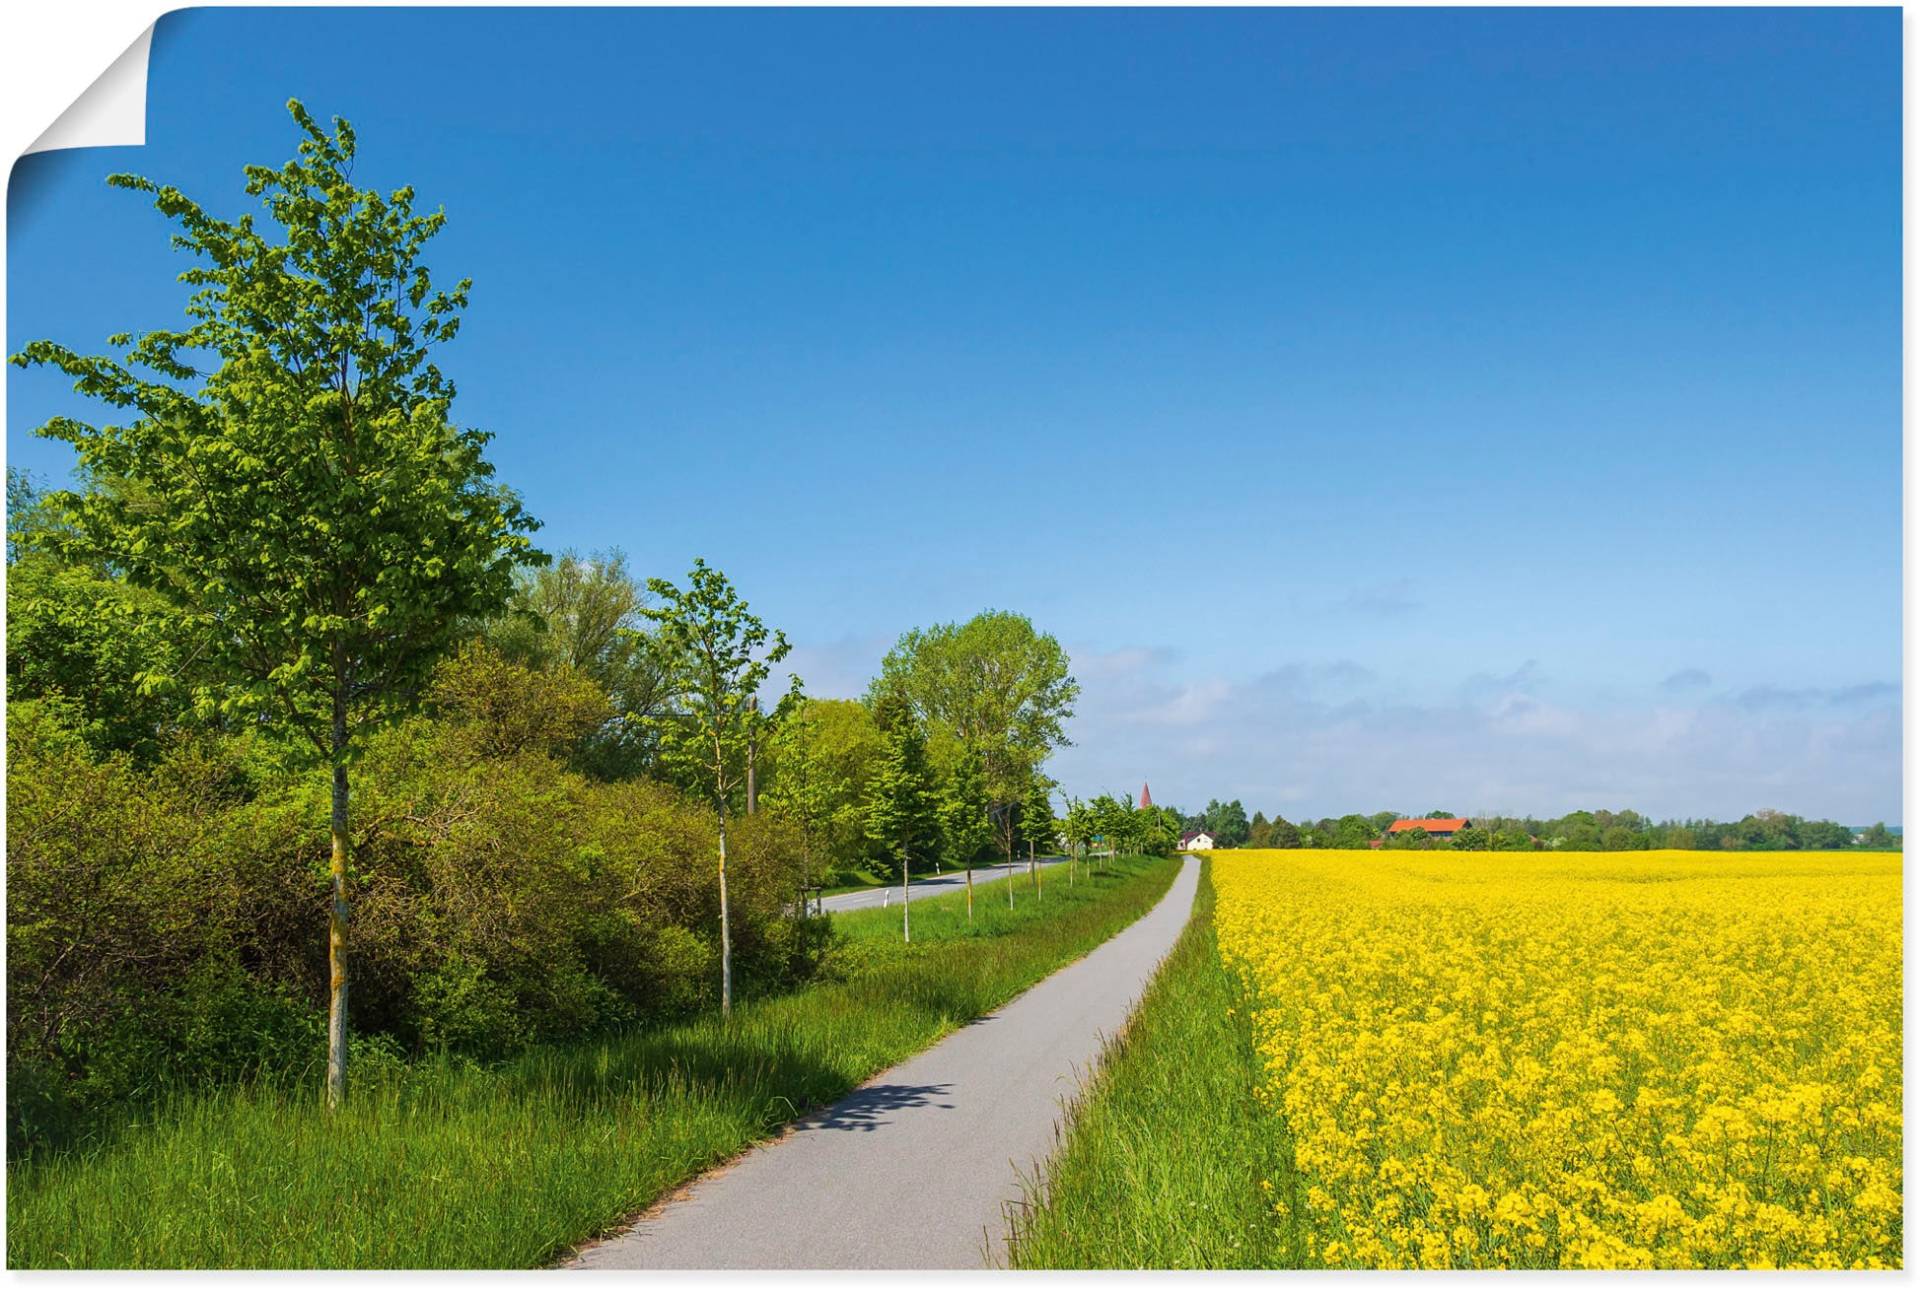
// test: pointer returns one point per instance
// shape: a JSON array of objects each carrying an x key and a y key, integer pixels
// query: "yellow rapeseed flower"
[{"x": 1663, "y": 1059}]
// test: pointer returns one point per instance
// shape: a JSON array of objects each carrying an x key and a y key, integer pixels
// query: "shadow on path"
[{"x": 864, "y": 1109}]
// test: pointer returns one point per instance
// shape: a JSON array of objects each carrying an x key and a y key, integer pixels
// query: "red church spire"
[{"x": 1146, "y": 796}]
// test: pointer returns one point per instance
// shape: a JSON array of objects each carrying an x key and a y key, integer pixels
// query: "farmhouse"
[
  {"x": 1439, "y": 828},
  {"x": 1196, "y": 840}
]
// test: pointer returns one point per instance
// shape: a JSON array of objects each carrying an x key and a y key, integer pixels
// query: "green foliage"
[
  {"x": 1276, "y": 834},
  {"x": 964, "y": 811},
  {"x": 1111, "y": 821},
  {"x": 305, "y": 505},
  {"x": 1079, "y": 825},
  {"x": 443, "y": 1164},
  {"x": 1353, "y": 832},
  {"x": 1227, "y": 823},
  {"x": 1584, "y": 830},
  {"x": 306, "y": 508},
  {"x": 904, "y": 820},
  {"x": 584, "y": 615},
  {"x": 501, "y": 709},
  {"x": 816, "y": 770},
  {"x": 1039, "y": 830},
  {"x": 139, "y": 912},
  {"x": 1624, "y": 829},
  {"x": 716, "y": 655},
  {"x": 78, "y": 633},
  {"x": 29, "y": 520},
  {"x": 160, "y": 930},
  {"x": 992, "y": 685},
  {"x": 1615, "y": 838},
  {"x": 1119, "y": 824}
]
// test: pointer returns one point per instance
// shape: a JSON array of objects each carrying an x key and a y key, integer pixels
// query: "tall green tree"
[
  {"x": 1038, "y": 827},
  {"x": 816, "y": 769},
  {"x": 716, "y": 654},
  {"x": 1113, "y": 821},
  {"x": 584, "y": 613},
  {"x": 305, "y": 504},
  {"x": 994, "y": 685},
  {"x": 1227, "y": 823},
  {"x": 966, "y": 826},
  {"x": 810, "y": 790},
  {"x": 1080, "y": 829},
  {"x": 1160, "y": 828},
  {"x": 903, "y": 817},
  {"x": 1282, "y": 834}
]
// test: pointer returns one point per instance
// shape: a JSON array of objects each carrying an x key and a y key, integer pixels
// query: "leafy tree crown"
[{"x": 288, "y": 476}]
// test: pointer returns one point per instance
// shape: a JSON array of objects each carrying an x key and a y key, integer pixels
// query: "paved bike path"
[{"x": 915, "y": 1168}]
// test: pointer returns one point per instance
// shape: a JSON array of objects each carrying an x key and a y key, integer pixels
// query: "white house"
[{"x": 1196, "y": 840}]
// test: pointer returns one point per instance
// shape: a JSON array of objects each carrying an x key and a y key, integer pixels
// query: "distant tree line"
[{"x": 1580, "y": 831}]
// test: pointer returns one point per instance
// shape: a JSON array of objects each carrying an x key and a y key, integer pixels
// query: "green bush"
[
  {"x": 166, "y": 924},
  {"x": 128, "y": 965}
]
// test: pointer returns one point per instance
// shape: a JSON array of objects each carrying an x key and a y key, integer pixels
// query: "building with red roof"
[
  {"x": 1146, "y": 796},
  {"x": 1439, "y": 828}
]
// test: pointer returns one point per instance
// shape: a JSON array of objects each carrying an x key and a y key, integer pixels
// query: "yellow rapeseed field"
[{"x": 1577, "y": 1059}]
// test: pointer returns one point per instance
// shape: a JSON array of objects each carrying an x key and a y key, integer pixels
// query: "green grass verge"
[
  {"x": 443, "y": 1165},
  {"x": 1167, "y": 1161}
]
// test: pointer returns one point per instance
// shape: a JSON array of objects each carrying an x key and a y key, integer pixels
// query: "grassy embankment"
[
  {"x": 445, "y": 1165},
  {"x": 1167, "y": 1162}
]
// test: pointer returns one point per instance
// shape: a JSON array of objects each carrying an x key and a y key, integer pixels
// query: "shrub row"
[{"x": 167, "y": 923}]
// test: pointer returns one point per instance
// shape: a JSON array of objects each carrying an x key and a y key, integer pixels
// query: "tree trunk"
[
  {"x": 753, "y": 756},
  {"x": 337, "y": 915},
  {"x": 969, "y": 891},
  {"x": 726, "y": 935},
  {"x": 1033, "y": 867},
  {"x": 1008, "y": 837},
  {"x": 906, "y": 899},
  {"x": 806, "y": 870}
]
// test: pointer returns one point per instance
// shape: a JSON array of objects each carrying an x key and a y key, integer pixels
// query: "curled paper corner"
[{"x": 112, "y": 112}]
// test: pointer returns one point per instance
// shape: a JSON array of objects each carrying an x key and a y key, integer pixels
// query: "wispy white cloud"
[
  {"x": 1390, "y": 600},
  {"x": 1866, "y": 693},
  {"x": 1320, "y": 737}
]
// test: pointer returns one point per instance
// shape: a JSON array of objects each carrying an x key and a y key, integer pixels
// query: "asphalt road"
[
  {"x": 928, "y": 886},
  {"x": 915, "y": 1168}
]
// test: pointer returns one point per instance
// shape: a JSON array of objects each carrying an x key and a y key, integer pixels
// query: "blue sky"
[{"x": 1490, "y": 409}]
